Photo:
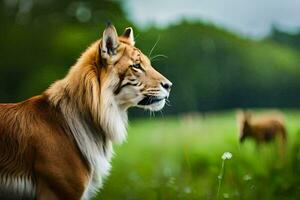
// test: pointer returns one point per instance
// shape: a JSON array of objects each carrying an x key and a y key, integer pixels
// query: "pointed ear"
[
  {"x": 128, "y": 33},
  {"x": 110, "y": 41}
]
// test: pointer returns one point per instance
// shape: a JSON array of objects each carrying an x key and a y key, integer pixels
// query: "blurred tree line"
[
  {"x": 211, "y": 68},
  {"x": 284, "y": 38},
  {"x": 41, "y": 39},
  {"x": 214, "y": 69}
]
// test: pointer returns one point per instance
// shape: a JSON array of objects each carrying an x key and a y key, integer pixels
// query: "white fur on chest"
[
  {"x": 99, "y": 171},
  {"x": 96, "y": 152},
  {"x": 96, "y": 149},
  {"x": 21, "y": 187},
  {"x": 100, "y": 124}
]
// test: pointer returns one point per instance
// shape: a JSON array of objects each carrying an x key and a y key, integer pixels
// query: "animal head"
[
  {"x": 245, "y": 130},
  {"x": 135, "y": 81}
]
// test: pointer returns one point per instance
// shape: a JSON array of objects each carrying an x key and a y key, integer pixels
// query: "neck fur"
[{"x": 87, "y": 91}]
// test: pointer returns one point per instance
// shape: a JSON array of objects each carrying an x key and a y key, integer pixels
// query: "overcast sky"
[{"x": 248, "y": 17}]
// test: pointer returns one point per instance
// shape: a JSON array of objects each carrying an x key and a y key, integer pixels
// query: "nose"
[{"x": 167, "y": 85}]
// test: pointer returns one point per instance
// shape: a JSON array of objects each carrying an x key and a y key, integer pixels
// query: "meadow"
[{"x": 180, "y": 158}]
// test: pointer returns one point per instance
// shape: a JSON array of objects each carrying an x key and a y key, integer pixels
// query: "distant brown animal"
[
  {"x": 58, "y": 145},
  {"x": 263, "y": 129}
]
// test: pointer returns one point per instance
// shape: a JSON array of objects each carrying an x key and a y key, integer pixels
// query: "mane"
[
  {"x": 87, "y": 90},
  {"x": 85, "y": 97}
]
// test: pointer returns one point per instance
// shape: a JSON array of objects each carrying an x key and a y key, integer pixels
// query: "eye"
[{"x": 137, "y": 66}]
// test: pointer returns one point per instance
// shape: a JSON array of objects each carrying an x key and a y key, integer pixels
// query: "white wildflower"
[
  {"x": 247, "y": 177},
  {"x": 226, "y": 156},
  {"x": 187, "y": 190}
]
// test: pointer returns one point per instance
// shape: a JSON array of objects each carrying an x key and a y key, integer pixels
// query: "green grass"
[{"x": 180, "y": 158}]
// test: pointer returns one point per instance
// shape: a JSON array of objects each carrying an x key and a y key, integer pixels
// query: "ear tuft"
[
  {"x": 109, "y": 23},
  {"x": 128, "y": 33},
  {"x": 110, "y": 40}
]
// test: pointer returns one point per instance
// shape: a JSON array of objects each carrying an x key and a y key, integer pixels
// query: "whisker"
[
  {"x": 153, "y": 113},
  {"x": 152, "y": 93},
  {"x": 152, "y": 49},
  {"x": 168, "y": 103},
  {"x": 152, "y": 90},
  {"x": 162, "y": 114},
  {"x": 158, "y": 56}
]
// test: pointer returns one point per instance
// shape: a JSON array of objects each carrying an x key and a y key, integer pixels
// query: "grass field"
[{"x": 180, "y": 158}]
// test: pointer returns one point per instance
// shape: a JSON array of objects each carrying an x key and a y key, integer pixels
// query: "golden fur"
[{"x": 58, "y": 145}]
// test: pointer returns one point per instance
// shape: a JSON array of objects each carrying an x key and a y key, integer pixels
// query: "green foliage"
[
  {"x": 40, "y": 40},
  {"x": 211, "y": 69},
  {"x": 287, "y": 39},
  {"x": 180, "y": 158}
]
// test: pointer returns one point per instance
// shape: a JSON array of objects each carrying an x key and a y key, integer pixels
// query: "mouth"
[{"x": 148, "y": 100}]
